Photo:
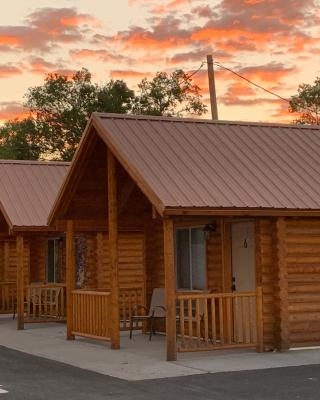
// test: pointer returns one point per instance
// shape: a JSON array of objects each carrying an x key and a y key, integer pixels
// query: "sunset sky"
[{"x": 275, "y": 43}]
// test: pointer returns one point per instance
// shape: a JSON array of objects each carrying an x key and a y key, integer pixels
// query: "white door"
[
  {"x": 244, "y": 280},
  {"x": 243, "y": 256}
]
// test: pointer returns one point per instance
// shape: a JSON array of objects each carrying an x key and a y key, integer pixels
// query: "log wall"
[
  {"x": 131, "y": 260},
  {"x": 8, "y": 261},
  {"x": 303, "y": 268}
]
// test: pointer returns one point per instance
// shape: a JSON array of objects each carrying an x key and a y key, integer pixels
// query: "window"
[
  {"x": 191, "y": 258},
  {"x": 52, "y": 259}
]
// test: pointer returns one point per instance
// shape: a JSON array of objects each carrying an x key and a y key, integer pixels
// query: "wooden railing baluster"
[
  {"x": 231, "y": 315},
  {"x": 213, "y": 321},
  {"x": 181, "y": 312},
  {"x": 190, "y": 324},
  {"x": 205, "y": 321}
]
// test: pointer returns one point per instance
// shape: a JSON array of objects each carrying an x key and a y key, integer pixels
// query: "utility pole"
[{"x": 212, "y": 88}]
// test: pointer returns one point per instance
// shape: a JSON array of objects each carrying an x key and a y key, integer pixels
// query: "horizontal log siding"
[
  {"x": 2, "y": 262},
  {"x": 303, "y": 265},
  {"x": 154, "y": 256},
  {"x": 265, "y": 259},
  {"x": 131, "y": 261},
  {"x": 8, "y": 265},
  {"x": 37, "y": 259}
]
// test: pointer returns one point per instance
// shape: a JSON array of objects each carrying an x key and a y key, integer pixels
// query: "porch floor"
[{"x": 138, "y": 359}]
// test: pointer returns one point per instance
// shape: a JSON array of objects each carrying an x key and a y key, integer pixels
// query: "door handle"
[{"x": 233, "y": 286}]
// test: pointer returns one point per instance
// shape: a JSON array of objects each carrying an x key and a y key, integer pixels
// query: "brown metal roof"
[
  {"x": 199, "y": 163},
  {"x": 28, "y": 190}
]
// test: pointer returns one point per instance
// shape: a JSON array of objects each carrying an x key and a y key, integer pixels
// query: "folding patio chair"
[{"x": 157, "y": 310}]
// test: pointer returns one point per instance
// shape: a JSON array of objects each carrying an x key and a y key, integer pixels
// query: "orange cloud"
[
  {"x": 44, "y": 28},
  {"x": 171, "y": 5},
  {"x": 8, "y": 70},
  {"x": 12, "y": 110},
  {"x": 40, "y": 66},
  {"x": 281, "y": 113},
  {"x": 269, "y": 73},
  {"x": 103, "y": 55},
  {"x": 197, "y": 56},
  {"x": 165, "y": 33},
  {"x": 209, "y": 34},
  {"x": 129, "y": 74}
]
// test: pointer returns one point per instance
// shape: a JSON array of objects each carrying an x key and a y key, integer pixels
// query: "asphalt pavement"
[{"x": 26, "y": 377}]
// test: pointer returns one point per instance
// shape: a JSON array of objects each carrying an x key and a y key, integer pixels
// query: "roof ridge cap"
[
  {"x": 200, "y": 121},
  {"x": 35, "y": 162}
]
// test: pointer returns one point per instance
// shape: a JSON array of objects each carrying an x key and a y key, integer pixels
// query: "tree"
[
  {"x": 169, "y": 95},
  {"x": 19, "y": 140},
  {"x": 307, "y": 102},
  {"x": 62, "y": 107}
]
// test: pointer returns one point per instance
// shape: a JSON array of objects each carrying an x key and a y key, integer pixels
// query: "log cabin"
[
  {"x": 224, "y": 215},
  {"x": 32, "y": 254}
]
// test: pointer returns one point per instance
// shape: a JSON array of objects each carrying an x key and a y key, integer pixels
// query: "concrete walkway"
[{"x": 139, "y": 359}]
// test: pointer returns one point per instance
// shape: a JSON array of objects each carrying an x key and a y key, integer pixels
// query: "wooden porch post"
[
  {"x": 281, "y": 292},
  {"x": 259, "y": 319},
  {"x": 113, "y": 243},
  {"x": 70, "y": 278},
  {"x": 20, "y": 282},
  {"x": 6, "y": 260},
  {"x": 170, "y": 289}
]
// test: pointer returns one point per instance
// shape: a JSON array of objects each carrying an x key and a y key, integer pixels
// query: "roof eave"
[
  {"x": 6, "y": 216},
  {"x": 236, "y": 212},
  {"x": 33, "y": 228}
]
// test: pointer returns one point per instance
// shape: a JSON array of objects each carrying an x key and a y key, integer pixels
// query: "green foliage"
[
  {"x": 19, "y": 140},
  {"x": 307, "y": 102},
  {"x": 60, "y": 108},
  {"x": 165, "y": 93}
]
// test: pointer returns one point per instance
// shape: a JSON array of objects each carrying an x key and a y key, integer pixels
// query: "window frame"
[
  {"x": 189, "y": 228},
  {"x": 56, "y": 241}
]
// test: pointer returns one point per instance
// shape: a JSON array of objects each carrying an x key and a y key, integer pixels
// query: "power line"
[
  {"x": 197, "y": 70},
  {"x": 261, "y": 87},
  {"x": 252, "y": 83}
]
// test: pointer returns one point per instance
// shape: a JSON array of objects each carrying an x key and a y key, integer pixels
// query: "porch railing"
[
  {"x": 91, "y": 314},
  {"x": 45, "y": 303},
  {"x": 219, "y": 321},
  {"x": 8, "y": 296},
  {"x": 129, "y": 299},
  {"x": 91, "y": 311}
]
